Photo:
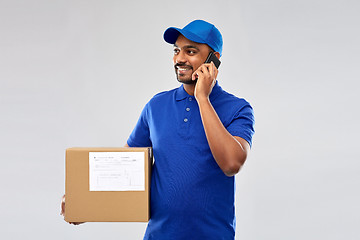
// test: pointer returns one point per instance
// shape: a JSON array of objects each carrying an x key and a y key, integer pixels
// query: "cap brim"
[{"x": 171, "y": 34}]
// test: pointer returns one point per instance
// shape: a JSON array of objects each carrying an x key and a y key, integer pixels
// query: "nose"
[{"x": 180, "y": 57}]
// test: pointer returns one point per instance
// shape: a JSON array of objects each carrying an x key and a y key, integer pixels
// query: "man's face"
[{"x": 188, "y": 57}]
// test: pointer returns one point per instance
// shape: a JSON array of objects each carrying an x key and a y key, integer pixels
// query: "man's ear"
[{"x": 217, "y": 54}]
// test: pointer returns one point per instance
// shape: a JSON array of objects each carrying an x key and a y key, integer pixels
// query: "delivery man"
[{"x": 201, "y": 136}]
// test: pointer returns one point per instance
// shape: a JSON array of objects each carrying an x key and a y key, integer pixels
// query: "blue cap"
[{"x": 198, "y": 31}]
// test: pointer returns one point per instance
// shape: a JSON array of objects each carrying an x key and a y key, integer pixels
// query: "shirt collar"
[{"x": 181, "y": 94}]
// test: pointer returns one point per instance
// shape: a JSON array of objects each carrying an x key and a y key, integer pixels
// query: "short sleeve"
[
  {"x": 140, "y": 136},
  {"x": 242, "y": 124}
]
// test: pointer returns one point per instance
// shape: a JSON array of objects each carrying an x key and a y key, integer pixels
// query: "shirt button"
[
  {"x": 187, "y": 109},
  {"x": 190, "y": 98},
  {"x": 186, "y": 120}
]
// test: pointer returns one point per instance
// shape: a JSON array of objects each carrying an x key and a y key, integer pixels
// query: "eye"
[
  {"x": 176, "y": 51},
  {"x": 191, "y": 52}
]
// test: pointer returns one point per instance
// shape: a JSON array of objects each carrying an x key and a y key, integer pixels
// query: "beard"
[{"x": 187, "y": 80}]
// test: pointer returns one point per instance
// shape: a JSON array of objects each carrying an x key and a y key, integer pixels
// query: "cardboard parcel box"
[{"x": 108, "y": 184}]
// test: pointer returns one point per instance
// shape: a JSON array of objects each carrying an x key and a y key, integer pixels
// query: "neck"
[{"x": 189, "y": 88}]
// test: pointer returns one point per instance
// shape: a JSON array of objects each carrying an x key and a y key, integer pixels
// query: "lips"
[{"x": 182, "y": 69}]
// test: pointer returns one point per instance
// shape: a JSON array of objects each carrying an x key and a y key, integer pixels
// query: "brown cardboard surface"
[{"x": 83, "y": 205}]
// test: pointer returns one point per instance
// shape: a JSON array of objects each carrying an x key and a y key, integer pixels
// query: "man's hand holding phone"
[{"x": 205, "y": 76}]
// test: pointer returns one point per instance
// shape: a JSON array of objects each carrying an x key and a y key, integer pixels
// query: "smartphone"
[{"x": 214, "y": 59}]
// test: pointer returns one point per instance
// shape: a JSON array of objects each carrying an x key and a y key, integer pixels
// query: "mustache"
[{"x": 183, "y": 65}]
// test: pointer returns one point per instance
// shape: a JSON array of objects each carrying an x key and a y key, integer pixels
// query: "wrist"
[{"x": 202, "y": 100}]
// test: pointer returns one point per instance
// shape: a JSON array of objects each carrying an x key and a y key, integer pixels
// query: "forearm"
[{"x": 227, "y": 151}]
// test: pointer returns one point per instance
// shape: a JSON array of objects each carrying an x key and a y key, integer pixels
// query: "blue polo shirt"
[{"x": 191, "y": 198}]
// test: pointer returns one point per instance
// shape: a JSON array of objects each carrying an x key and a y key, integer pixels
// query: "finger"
[
  {"x": 194, "y": 76},
  {"x": 209, "y": 66},
  {"x": 213, "y": 71},
  {"x": 76, "y": 223},
  {"x": 206, "y": 70},
  {"x": 214, "y": 68},
  {"x": 63, "y": 205},
  {"x": 197, "y": 73},
  {"x": 200, "y": 73},
  {"x": 216, "y": 71}
]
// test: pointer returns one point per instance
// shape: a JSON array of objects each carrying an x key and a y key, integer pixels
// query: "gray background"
[{"x": 78, "y": 73}]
